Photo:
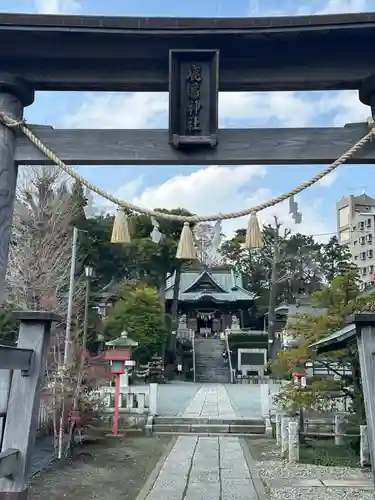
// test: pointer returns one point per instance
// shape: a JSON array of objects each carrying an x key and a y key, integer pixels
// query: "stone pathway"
[
  {"x": 247, "y": 401},
  {"x": 205, "y": 468},
  {"x": 173, "y": 398},
  {"x": 210, "y": 401}
]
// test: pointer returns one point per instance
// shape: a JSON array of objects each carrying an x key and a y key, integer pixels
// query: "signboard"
[
  {"x": 252, "y": 358},
  {"x": 193, "y": 98}
]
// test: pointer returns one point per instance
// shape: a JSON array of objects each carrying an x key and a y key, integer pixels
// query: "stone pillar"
[
  {"x": 365, "y": 329},
  {"x": 141, "y": 400},
  {"x": 268, "y": 424},
  {"x": 153, "y": 399},
  {"x": 285, "y": 434},
  {"x": 278, "y": 428},
  {"x": 107, "y": 400},
  {"x": 24, "y": 400},
  {"x": 339, "y": 429},
  {"x": 293, "y": 439},
  {"x": 15, "y": 94},
  {"x": 265, "y": 399},
  {"x": 364, "y": 446},
  {"x": 129, "y": 401},
  {"x": 124, "y": 379}
]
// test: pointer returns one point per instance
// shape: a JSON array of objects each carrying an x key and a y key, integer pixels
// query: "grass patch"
[{"x": 326, "y": 453}]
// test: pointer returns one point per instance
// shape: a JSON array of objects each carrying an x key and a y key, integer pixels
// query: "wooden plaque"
[{"x": 193, "y": 98}]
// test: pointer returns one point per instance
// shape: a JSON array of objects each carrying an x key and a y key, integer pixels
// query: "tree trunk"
[
  {"x": 272, "y": 304},
  {"x": 176, "y": 293},
  {"x": 174, "y": 308},
  {"x": 162, "y": 293}
]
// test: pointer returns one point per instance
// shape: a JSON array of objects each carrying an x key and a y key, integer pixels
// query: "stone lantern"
[{"x": 118, "y": 355}]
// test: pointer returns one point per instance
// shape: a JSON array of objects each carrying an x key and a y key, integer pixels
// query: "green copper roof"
[
  {"x": 122, "y": 341},
  {"x": 221, "y": 285}
]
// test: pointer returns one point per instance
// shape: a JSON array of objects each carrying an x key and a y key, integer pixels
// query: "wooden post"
[
  {"x": 365, "y": 325},
  {"x": 14, "y": 95},
  {"x": 21, "y": 426}
]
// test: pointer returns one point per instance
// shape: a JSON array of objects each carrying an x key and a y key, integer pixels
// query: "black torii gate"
[{"x": 193, "y": 59}]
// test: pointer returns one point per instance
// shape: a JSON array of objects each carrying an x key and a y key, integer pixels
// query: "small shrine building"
[{"x": 211, "y": 300}]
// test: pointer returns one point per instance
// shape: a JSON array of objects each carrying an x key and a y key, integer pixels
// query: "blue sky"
[{"x": 207, "y": 190}]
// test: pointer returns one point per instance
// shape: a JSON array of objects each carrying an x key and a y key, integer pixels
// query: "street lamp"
[{"x": 89, "y": 273}]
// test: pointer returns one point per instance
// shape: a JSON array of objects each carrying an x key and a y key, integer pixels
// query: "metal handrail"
[
  {"x": 229, "y": 356},
  {"x": 192, "y": 333}
]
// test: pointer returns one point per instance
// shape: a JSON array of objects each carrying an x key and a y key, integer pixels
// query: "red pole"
[{"x": 117, "y": 403}]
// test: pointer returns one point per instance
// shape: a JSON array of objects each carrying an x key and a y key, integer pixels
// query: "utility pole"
[
  {"x": 68, "y": 331},
  {"x": 273, "y": 290},
  {"x": 68, "y": 340}
]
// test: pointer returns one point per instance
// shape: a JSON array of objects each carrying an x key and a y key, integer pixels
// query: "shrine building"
[{"x": 211, "y": 300}]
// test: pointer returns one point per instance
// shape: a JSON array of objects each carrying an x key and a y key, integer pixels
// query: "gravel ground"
[
  {"x": 114, "y": 469},
  {"x": 320, "y": 494},
  {"x": 272, "y": 469}
]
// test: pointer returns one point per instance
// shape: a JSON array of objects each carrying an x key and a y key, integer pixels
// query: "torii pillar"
[{"x": 15, "y": 94}]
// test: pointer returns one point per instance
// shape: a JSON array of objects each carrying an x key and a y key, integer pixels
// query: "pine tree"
[{"x": 336, "y": 259}]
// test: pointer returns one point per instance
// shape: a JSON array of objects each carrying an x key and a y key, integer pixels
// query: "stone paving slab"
[
  {"x": 210, "y": 401},
  {"x": 352, "y": 483},
  {"x": 280, "y": 483},
  {"x": 204, "y": 468}
]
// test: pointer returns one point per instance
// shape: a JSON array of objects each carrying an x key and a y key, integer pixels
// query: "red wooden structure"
[{"x": 116, "y": 359}]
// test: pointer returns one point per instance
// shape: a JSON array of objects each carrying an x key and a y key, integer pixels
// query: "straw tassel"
[
  {"x": 186, "y": 248},
  {"x": 120, "y": 231},
  {"x": 254, "y": 237}
]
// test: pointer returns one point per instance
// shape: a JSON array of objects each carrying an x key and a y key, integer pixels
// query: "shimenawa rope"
[{"x": 12, "y": 123}]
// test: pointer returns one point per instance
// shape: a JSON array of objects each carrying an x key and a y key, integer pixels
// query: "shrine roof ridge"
[{"x": 194, "y": 24}]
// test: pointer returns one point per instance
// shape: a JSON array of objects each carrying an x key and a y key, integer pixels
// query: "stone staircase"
[
  {"x": 209, "y": 363},
  {"x": 212, "y": 426}
]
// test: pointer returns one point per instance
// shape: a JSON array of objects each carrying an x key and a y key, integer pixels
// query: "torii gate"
[
  {"x": 193, "y": 59},
  {"x": 45, "y": 52}
]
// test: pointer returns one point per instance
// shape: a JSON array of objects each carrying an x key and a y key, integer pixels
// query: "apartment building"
[{"x": 356, "y": 228}]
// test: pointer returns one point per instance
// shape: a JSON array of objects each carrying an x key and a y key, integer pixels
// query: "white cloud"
[
  {"x": 328, "y": 180},
  {"x": 286, "y": 109},
  {"x": 309, "y": 7},
  {"x": 121, "y": 110},
  {"x": 289, "y": 108},
  {"x": 345, "y": 6},
  {"x": 217, "y": 189},
  {"x": 57, "y": 6},
  {"x": 344, "y": 106},
  {"x": 150, "y": 109}
]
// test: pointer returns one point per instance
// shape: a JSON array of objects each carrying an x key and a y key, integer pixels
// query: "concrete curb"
[
  {"x": 258, "y": 483},
  {"x": 147, "y": 487}
]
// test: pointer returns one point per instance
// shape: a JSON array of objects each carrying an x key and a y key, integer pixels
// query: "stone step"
[
  {"x": 209, "y": 428},
  {"x": 210, "y": 420},
  {"x": 210, "y": 434}
]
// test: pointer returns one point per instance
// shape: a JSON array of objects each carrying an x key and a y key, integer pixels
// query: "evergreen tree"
[
  {"x": 336, "y": 259},
  {"x": 79, "y": 203}
]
